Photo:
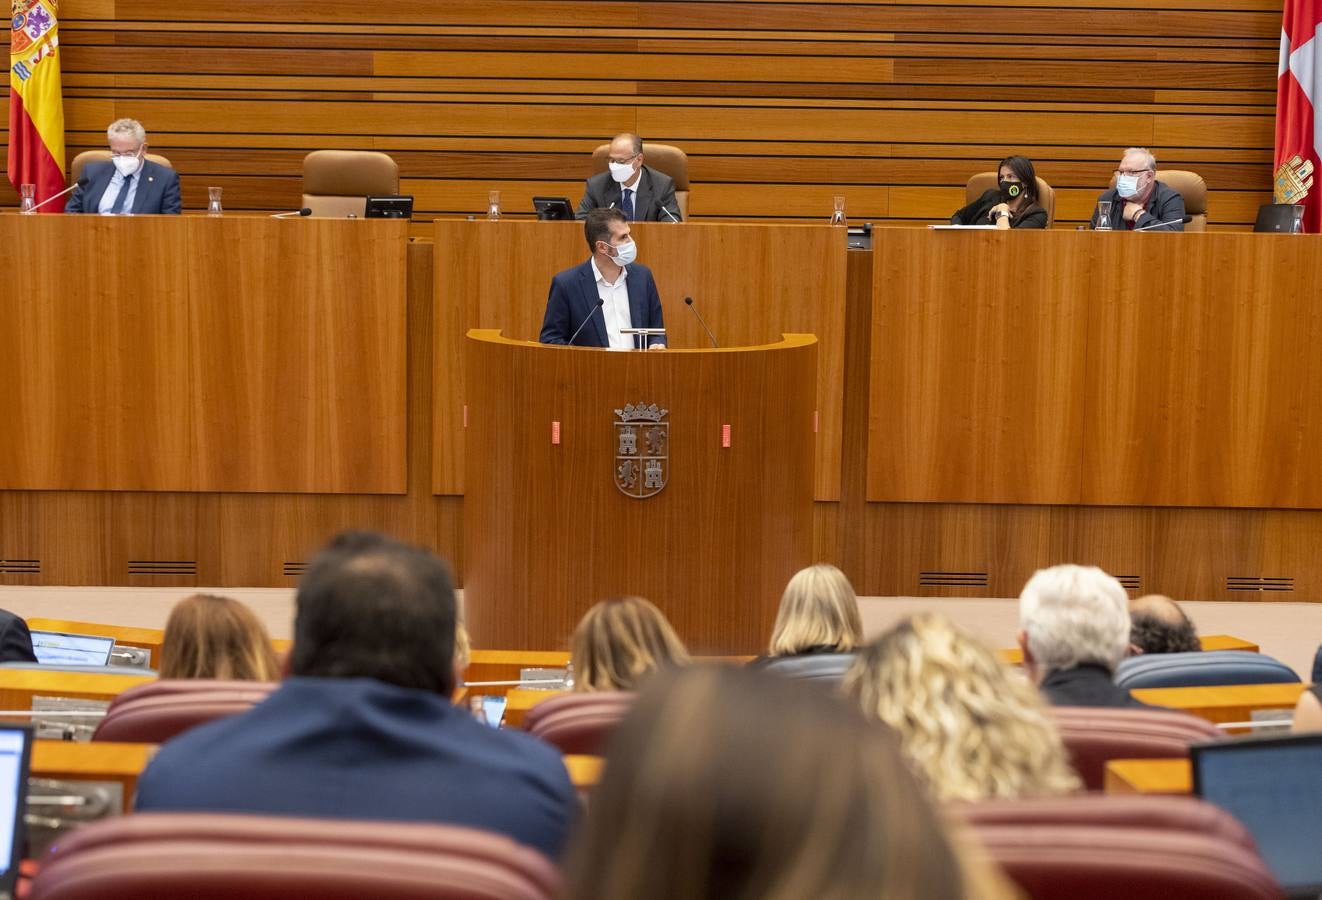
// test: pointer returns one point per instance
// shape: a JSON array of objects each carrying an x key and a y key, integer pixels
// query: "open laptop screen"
[
  {"x": 15, "y": 762},
  {"x": 54, "y": 648},
  {"x": 1274, "y": 787}
]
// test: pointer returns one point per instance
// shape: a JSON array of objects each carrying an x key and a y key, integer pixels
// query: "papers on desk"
[{"x": 962, "y": 227}]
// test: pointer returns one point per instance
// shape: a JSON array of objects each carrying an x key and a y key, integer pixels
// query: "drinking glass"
[
  {"x": 213, "y": 202},
  {"x": 1103, "y": 215},
  {"x": 28, "y": 193},
  {"x": 838, "y": 212},
  {"x": 493, "y": 206},
  {"x": 1297, "y": 227}
]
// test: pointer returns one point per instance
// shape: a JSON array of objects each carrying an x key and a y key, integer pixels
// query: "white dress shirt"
[
  {"x": 113, "y": 189},
  {"x": 615, "y": 308}
]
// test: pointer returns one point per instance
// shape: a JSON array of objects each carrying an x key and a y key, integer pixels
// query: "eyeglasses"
[
  {"x": 127, "y": 154},
  {"x": 1134, "y": 172},
  {"x": 625, "y": 161}
]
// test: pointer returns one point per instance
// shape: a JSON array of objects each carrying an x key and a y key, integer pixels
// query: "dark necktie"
[
  {"x": 123, "y": 195},
  {"x": 626, "y": 204}
]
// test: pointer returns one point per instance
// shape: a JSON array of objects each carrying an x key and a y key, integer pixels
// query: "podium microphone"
[
  {"x": 688, "y": 301},
  {"x": 583, "y": 324},
  {"x": 305, "y": 211},
  {"x": 1184, "y": 221}
]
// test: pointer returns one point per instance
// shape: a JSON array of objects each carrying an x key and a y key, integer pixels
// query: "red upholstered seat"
[
  {"x": 1095, "y": 735},
  {"x": 157, "y": 711},
  {"x": 155, "y": 856},
  {"x": 579, "y": 723}
]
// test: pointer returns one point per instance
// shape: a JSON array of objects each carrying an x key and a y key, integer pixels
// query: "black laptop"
[
  {"x": 1274, "y": 787},
  {"x": 1275, "y": 218},
  {"x": 15, "y": 764}
]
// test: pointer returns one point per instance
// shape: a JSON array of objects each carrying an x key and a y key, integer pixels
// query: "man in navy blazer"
[
  {"x": 364, "y": 727},
  {"x": 128, "y": 182},
  {"x": 590, "y": 304}
]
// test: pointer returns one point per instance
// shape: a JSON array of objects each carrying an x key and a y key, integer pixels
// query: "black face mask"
[{"x": 1010, "y": 190}]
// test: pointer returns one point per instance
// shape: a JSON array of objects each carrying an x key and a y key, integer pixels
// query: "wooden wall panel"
[{"x": 474, "y": 95}]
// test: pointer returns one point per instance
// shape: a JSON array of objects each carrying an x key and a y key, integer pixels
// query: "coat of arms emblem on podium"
[{"x": 642, "y": 450}]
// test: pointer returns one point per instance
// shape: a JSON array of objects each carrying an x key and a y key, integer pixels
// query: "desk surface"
[
  {"x": 1224, "y": 703},
  {"x": 96, "y": 761},
  {"x": 19, "y": 686},
  {"x": 1148, "y": 776}
]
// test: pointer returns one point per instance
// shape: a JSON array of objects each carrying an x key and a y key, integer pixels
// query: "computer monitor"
[
  {"x": 550, "y": 209},
  {"x": 1275, "y": 218},
  {"x": 15, "y": 765},
  {"x": 1274, "y": 787},
  {"x": 56, "y": 648},
  {"x": 395, "y": 206}
]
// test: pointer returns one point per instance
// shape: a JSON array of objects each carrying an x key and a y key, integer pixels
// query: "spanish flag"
[{"x": 36, "y": 101}]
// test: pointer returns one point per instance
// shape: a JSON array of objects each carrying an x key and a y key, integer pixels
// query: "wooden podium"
[{"x": 565, "y": 506}]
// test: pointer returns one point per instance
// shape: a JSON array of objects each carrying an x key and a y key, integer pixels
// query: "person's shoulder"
[
  {"x": 638, "y": 270},
  {"x": 989, "y": 195},
  {"x": 510, "y": 747},
  {"x": 566, "y": 276},
  {"x": 599, "y": 179},
  {"x": 657, "y": 176},
  {"x": 157, "y": 170}
]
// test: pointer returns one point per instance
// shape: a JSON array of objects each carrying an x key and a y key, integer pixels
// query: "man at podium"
[{"x": 591, "y": 305}]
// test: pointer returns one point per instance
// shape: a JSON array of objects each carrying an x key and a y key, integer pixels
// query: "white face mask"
[
  {"x": 1126, "y": 185},
  {"x": 621, "y": 172},
  {"x": 126, "y": 165},
  {"x": 626, "y": 253}
]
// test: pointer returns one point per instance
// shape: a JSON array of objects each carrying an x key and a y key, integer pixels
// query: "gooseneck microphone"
[
  {"x": 669, "y": 213},
  {"x": 688, "y": 301},
  {"x": 81, "y": 182},
  {"x": 586, "y": 320},
  {"x": 305, "y": 211},
  {"x": 1183, "y": 221}
]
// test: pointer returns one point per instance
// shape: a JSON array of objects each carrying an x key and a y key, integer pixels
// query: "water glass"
[
  {"x": 213, "y": 202},
  {"x": 493, "y": 206},
  {"x": 838, "y": 212},
  {"x": 28, "y": 193},
  {"x": 1297, "y": 226},
  {"x": 1103, "y": 215}
]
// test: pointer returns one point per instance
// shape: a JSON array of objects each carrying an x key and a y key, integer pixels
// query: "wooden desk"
[
  {"x": 128, "y": 635},
  {"x": 19, "y": 686},
  {"x": 1224, "y": 703},
  {"x": 1015, "y": 656},
  {"x": 520, "y": 700},
  {"x": 584, "y": 771},
  {"x": 98, "y": 761},
  {"x": 1148, "y": 776}
]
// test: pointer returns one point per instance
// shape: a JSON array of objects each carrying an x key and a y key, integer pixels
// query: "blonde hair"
[
  {"x": 621, "y": 641},
  {"x": 972, "y": 726},
  {"x": 818, "y": 609},
  {"x": 216, "y": 637},
  {"x": 463, "y": 647}
]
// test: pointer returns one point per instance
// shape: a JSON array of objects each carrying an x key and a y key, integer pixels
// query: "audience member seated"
[
  {"x": 1308, "y": 711},
  {"x": 1013, "y": 203},
  {"x": 216, "y": 637},
  {"x": 817, "y": 627},
  {"x": 971, "y": 726},
  {"x": 15, "y": 639},
  {"x": 620, "y": 642},
  {"x": 726, "y": 783},
  {"x": 364, "y": 727},
  {"x": 1074, "y": 630},
  {"x": 1158, "y": 625}
]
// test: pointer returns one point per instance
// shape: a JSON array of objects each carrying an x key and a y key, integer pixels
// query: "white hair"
[
  {"x": 1072, "y": 615},
  {"x": 132, "y": 127},
  {"x": 1145, "y": 153}
]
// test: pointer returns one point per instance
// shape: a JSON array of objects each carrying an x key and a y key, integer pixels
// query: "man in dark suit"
[
  {"x": 364, "y": 727},
  {"x": 1074, "y": 630},
  {"x": 1138, "y": 199},
  {"x": 589, "y": 304},
  {"x": 643, "y": 194},
  {"x": 128, "y": 182},
  {"x": 15, "y": 639}
]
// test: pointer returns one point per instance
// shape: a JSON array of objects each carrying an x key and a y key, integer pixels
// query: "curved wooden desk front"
[{"x": 547, "y": 532}]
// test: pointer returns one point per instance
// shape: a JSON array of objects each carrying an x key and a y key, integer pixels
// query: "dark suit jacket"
[
  {"x": 15, "y": 639},
  {"x": 574, "y": 297},
  {"x": 158, "y": 189},
  {"x": 654, "y": 191},
  {"x": 1087, "y": 685},
  {"x": 1163, "y": 205},
  {"x": 358, "y": 748},
  {"x": 975, "y": 213}
]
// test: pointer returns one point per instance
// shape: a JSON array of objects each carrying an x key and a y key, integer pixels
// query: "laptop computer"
[
  {"x": 1274, "y": 787},
  {"x": 57, "y": 648},
  {"x": 1275, "y": 218},
  {"x": 15, "y": 765}
]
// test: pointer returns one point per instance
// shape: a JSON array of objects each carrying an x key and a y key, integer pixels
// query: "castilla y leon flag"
[
  {"x": 1298, "y": 89},
  {"x": 36, "y": 101}
]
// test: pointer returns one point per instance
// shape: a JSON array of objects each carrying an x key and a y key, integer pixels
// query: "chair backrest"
[
  {"x": 154, "y": 856},
  {"x": 91, "y": 156},
  {"x": 579, "y": 723},
  {"x": 1201, "y": 668},
  {"x": 665, "y": 158},
  {"x": 159, "y": 710},
  {"x": 1192, "y": 188},
  {"x": 337, "y": 183},
  {"x": 827, "y": 668},
  {"x": 1165, "y": 813},
  {"x": 1095, "y": 735},
  {"x": 984, "y": 181},
  {"x": 1098, "y": 862}
]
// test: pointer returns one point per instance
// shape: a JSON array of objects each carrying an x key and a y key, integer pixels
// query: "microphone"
[
  {"x": 583, "y": 324},
  {"x": 688, "y": 301},
  {"x": 305, "y": 211},
  {"x": 1184, "y": 221},
  {"x": 81, "y": 182},
  {"x": 669, "y": 213}
]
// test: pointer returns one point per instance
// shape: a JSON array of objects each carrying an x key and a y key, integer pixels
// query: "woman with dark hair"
[{"x": 1013, "y": 203}]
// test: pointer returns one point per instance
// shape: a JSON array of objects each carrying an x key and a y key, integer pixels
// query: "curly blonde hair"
[
  {"x": 972, "y": 726},
  {"x": 620, "y": 642}
]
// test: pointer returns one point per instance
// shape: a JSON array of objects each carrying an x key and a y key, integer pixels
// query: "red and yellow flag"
[{"x": 36, "y": 100}]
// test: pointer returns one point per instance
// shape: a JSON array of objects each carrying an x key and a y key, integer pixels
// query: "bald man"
[
  {"x": 640, "y": 192},
  {"x": 1158, "y": 625}
]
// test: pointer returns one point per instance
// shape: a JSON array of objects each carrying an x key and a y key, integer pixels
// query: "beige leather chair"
[
  {"x": 337, "y": 183},
  {"x": 1192, "y": 188},
  {"x": 1046, "y": 196},
  {"x": 665, "y": 158},
  {"x": 94, "y": 156}
]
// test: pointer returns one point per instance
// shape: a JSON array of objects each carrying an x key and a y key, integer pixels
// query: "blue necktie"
[
  {"x": 627, "y": 204},
  {"x": 123, "y": 195}
]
